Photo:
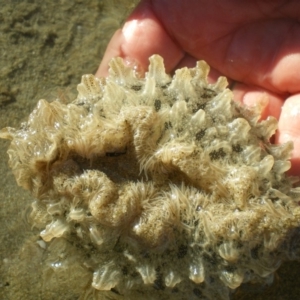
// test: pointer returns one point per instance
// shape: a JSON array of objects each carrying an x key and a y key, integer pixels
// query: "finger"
[
  {"x": 252, "y": 96},
  {"x": 142, "y": 36},
  {"x": 289, "y": 129},
  {"x": 265, "y": 54},
  {"x": 256, "y": 42}
]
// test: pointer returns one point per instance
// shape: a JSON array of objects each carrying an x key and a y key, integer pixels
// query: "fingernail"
[{"x": 129, "y": 29}]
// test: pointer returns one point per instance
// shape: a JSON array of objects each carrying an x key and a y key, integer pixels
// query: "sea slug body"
[{"x": 171, "y": 189}]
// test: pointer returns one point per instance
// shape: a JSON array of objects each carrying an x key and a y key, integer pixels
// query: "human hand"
[{"x": 254, "y": 43}]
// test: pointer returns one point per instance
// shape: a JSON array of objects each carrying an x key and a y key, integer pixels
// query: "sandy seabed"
[{"x": 45, "y": 48}]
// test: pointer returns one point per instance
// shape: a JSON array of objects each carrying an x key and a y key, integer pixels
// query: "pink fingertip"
[{"x": 289, "y": 130}]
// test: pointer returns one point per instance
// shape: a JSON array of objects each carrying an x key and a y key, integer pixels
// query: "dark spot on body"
[
  {"x": 165, "y": 85},
  {"x": 205, "y": 96},
  {"x": 125, "y": 271},
  {"x": 208, "y": 93},
  {"x": 200, "y": 134},
  {"x": 182, "y": 251},
  {"x": 199, "y": 106},
  {"x": 237, "y": 148},
  {"x": 216, "y": 154},
  {"x": 136, "y": 87},
  {"x": 157, "y": 104}
]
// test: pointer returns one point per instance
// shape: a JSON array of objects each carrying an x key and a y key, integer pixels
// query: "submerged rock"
[{"x": 167, "y": 188}]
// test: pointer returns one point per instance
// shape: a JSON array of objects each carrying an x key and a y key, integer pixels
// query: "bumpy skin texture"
[{"x": 172, "y": 189}]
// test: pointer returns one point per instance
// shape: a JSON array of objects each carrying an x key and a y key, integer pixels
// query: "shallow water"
[{"x": 45, "y": 47}]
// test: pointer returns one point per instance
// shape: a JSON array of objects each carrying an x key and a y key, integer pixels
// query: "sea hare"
[{"x": 170, "y": 188}]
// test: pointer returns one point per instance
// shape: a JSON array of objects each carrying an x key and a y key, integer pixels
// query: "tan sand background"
[{"x": 45, "y": 47}]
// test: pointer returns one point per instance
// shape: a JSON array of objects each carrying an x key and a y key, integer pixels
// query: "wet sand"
[{"x": 45, "y": 47}]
